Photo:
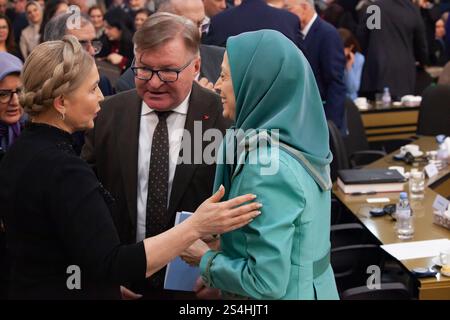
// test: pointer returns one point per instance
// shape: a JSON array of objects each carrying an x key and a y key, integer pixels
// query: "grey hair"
[
  {"x": 166, "y": 6},
  {"x": 163, "y": 27},
  {"x": 56, "y": 28},
  {"x": 158, "y": 3},
  {"x": 311, "y": 2}
]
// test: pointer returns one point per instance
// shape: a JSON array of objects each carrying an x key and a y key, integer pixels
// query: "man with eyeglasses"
[
  {"x": 141, "y": 134},
  {"x": 211, "y": 56}
]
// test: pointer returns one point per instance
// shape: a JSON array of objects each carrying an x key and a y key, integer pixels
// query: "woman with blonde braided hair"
[{"x": 59, "y": 231}]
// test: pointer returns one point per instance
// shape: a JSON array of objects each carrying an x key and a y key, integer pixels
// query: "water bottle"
[
  {"x": 386, "y": 98},
  {"x": 442, "y": 154},
  {"x": 403, "y": 214}
]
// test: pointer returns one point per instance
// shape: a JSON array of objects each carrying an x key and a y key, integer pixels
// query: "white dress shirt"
[
  {"x": 175, "y": 125},
  {"x": 306, "y": 29}
]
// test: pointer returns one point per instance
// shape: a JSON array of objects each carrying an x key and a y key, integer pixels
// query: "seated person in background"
[
  {"x": 266, "y": 85},
  {"x": 354, "y": 65},
  {"x": 117, "y": 41},
  {"x": 57, "y": 215}
]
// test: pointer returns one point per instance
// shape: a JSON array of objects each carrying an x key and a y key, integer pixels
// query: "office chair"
[
  {"x": 350, "y": 264},
  {"x": 434, "y": 112},
  {"x": 338, "y": 149},
  {"x": 346, "y": 234},
  {"x": 356, "y": 143}
]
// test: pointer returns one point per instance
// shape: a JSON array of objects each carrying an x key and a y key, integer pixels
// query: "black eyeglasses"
[
  {"x": 165, "y": 75},
  {"x": 96, "y": 44},
  {"x": 6, "y": 95}
]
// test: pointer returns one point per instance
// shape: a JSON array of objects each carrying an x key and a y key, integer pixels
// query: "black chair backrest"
[
  {"x": 434, "y": 112},
  {"x": 337, "y": 146},
  {"x": 356, "y": 139},
  {"x": 350, "y": 264},
  {"x": 346, "y": 234}
]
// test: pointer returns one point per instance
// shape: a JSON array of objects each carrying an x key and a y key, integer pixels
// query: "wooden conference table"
[
  {"x": 381, "y": 123},
  {"x": 382, "y": 228}
]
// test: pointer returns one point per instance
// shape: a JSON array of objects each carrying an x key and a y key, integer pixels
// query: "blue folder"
[{"x": 179, "y": 275}]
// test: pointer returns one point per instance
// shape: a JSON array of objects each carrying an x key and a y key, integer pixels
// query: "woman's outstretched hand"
[{"x": 214, "y": 217}]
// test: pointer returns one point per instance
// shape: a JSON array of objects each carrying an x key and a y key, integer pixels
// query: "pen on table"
[{"x": 363, "y": 193}]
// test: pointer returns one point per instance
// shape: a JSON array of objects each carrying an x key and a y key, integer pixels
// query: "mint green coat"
[
  {"x": 284, "y": 252},
  {"x": 278, "y": 255}
]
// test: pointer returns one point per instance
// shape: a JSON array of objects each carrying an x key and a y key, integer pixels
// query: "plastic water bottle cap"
[
  {"x": 440, "y": 138},
  {"x": 403, "y": 195}
]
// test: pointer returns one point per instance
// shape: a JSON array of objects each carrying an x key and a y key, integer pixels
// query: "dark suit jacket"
[
  {"x": 111, "y": 148},
  {"x": 211, "y": 57},
  {"x": 325, "y": 53},
  {"x": 252, "y": 15},
  {"x": 392, "y": 52}
]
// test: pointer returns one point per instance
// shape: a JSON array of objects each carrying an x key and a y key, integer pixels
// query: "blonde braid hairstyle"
[{"x": 53, "y": 69}]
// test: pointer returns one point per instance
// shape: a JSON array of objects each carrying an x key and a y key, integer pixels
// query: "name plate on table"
[
  {"x": 431, "y": 170},
  {"x": 440, "y": 203}
]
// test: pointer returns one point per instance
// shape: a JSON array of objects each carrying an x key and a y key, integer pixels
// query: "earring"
[{"x": 63, "y": 116}]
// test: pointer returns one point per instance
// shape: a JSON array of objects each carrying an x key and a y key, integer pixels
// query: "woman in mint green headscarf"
[{"x": 267, "y": 84}]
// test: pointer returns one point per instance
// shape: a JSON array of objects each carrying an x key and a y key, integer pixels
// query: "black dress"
[{"x": 57, "y": 220}]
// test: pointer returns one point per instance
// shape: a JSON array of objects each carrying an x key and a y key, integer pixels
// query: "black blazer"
[
  {"x": 326, "y": 57},
  {"x": 112, "y": 149},
  {"x": 56, "y": 216},
  {"x": 392, "y": 51},
  {"x": 252, "y": 15},
  {"x": 211, "y": 61}
]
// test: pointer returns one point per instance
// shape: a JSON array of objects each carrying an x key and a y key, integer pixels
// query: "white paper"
[
  {"x": 417, "y": 249},
  {"x": 377, "y": 200}
]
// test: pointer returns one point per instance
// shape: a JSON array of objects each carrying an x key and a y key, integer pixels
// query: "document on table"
[
  {"x": 417, "y": 249},
  {"x": 179, "y": 275}
]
